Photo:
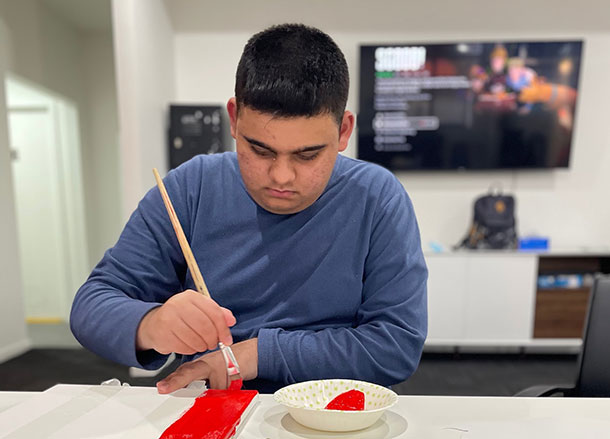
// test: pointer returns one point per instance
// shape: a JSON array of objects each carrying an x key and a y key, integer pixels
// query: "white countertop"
[
  {"x": 599, "y": 251},
  {"x": 66, "y": 411},
  {"x": 552, "y": 252}
]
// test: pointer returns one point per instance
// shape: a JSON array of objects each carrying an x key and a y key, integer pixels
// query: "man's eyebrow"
[
  {"x": 300, "y": 150},
  {"x": 258, "y": 143},
  {"x": 311, "y": 148}
]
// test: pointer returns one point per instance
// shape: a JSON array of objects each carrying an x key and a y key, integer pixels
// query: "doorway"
[{"x": 47, "y": 179}]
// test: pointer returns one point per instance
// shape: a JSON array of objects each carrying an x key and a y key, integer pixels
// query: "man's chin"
[
  {"x": 281, "y": 210},
  {"x": 280, "y": 207}
]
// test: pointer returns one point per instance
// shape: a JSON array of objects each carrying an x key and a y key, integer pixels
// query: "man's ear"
[
  {"x": 346, "y": 129},
  {"x": 232, "y": 110}
]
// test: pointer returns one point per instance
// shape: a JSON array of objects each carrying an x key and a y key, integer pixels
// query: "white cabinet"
[
  {"x": 486, "y": 298},
  {"x": 446, "y": 296},
  {"x": 501, "y": 295}
]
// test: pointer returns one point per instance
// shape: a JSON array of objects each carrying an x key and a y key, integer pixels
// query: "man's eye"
[
  {"x": 308, "y": 155},
  {"x": 261, "y": 151}
]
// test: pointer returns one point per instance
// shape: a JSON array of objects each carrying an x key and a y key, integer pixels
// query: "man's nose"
[{"x": 282, "y": 171}]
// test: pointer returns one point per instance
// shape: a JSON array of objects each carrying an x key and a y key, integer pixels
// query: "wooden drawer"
[{"x": 560, "y": 313}]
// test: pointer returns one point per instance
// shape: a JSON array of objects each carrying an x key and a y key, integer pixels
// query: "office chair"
[{"x": 593, "y": 379}]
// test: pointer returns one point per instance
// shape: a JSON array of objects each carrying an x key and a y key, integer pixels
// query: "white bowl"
[{"x": 306, "y": 401}]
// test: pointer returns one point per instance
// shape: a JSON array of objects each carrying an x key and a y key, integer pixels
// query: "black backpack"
[{"x": 493, "y": 224}]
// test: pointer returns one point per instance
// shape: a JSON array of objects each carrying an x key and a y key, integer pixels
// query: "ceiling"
[
  {"x": 444, "y": 16},
  {"x": 558, "y": 16}
]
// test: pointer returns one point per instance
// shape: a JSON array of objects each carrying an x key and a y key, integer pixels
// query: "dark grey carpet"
[
  {"x": 39, "y": 369},
  {"x": 487, "y": 375},
  {"x": 438, "y": 374}
]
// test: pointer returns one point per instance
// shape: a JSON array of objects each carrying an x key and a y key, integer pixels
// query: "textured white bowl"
[{"x": 306, "y": 401}]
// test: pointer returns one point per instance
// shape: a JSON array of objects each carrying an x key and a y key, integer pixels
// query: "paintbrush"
[{"x": 234, "y": 380}]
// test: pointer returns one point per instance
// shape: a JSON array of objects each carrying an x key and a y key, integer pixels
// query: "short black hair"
[{"x": 292, "y": 70}]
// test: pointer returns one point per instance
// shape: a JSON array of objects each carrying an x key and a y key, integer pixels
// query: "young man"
[{"x": 312, "y": 258}]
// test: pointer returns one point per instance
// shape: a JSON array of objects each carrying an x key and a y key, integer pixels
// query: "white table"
[
  {"x": 144, "y": 414},
  {"x": 10, "y": 399}
]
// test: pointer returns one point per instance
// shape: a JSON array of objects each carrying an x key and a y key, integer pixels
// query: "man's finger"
[
  {"x": 216, "y": 315},
  {"x": 230, "y": 319},
  {"x": 203, "y": 327},
  {"x": 183, "y": 376},
  {"x": 209, "y": 334},
  {"x": 175, "y": 344},
  {"x": 196, "y": 333},
  {"x": 185, "y": 335}
]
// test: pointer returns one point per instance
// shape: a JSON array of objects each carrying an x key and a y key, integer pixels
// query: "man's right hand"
[{"x": 186, "y": 324}]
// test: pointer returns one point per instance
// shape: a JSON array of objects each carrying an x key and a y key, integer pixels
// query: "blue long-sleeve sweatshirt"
[{"x": 336, "y": 290}]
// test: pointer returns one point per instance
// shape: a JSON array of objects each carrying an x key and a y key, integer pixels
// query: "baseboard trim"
[{"x": 14, "y": 349}]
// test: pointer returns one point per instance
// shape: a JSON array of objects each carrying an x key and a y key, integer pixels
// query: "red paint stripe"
[{"x": 215, "y": 415}]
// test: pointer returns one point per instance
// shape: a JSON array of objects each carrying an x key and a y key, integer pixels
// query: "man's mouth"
[{"x": 280, "y": 193}]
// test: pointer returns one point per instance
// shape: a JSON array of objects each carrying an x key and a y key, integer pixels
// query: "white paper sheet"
[{"x": 95, "y": 412}]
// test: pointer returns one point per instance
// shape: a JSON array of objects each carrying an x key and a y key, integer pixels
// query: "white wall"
[
  {"x": 101, "y": 161},
  {"x": 49, "y": 201},
  {"x": 52, "y": 52},
  {"x": 39, "y": 45},
  {"x": 143, "y": 41},
  {"x": 563, "y": 204},
  {"x": 43, "y": 48},
  {"x": 13, "y": 335}
]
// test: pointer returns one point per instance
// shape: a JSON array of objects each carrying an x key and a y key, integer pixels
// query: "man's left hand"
[{"x": 212, "y": 367}]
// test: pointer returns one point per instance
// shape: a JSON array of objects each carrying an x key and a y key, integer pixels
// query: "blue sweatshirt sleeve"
[
  {"x": 386, "y": 342},
  {"x": 139, "y": 273}
]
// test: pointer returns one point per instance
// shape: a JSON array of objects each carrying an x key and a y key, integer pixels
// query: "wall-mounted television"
[{"x": 468, "y": 105}]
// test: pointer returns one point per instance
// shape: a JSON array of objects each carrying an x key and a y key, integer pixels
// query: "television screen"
[{"x": 468, "y": 105}]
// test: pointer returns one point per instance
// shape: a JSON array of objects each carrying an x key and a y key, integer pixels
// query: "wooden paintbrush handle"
[{"x": 184, "y": 245}]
